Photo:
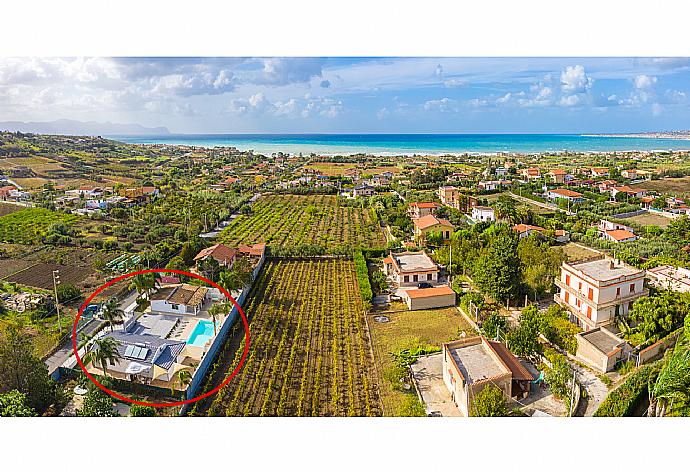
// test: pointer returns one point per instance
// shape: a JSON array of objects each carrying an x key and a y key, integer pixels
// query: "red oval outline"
[{"x": 169, "y": 404}]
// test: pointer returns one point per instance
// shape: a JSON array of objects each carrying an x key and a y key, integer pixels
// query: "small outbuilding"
[
  {"x": 428, "y": 298},
  {"x": 601, "y": 349}
]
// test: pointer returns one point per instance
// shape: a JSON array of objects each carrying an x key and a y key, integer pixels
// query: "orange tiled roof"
[
  {"x": 430, "y": 220},
  {"x": 430, "y": 292}
]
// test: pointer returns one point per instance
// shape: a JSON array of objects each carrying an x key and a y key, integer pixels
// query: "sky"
[{"x": 353, "y": 95}]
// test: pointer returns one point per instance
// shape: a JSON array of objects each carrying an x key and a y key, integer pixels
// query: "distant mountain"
[{"x": 81, "y": 128}]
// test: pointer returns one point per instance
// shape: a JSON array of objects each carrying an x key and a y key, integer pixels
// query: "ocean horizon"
[{"x": 406, "y": 144}]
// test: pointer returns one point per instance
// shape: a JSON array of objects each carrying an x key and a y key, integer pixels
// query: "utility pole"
[
  {"x": 572, "y": 394},
  {"x": 56, "y": 282},
  {"x": 450, "y": 266}
]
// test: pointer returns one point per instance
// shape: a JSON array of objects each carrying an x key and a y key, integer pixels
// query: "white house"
[
  {"x": 597, "y": 290},
  {"x": 182, "y": 299},
  {"x": 483, "y": 213}
]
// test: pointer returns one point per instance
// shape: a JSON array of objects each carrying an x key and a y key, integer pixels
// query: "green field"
[
  {"x": 28, "y": 226},
  {"x": 293, "y": 220},
  {"x": 407, "y": 329}
]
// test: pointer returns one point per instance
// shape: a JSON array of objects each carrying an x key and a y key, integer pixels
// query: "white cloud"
[
  {"x": 442, "y": 105},
  {"x": 439, "y": 71},
  {"x": 644, "y": 82},
  {"x": 574, "y": 79},
  {"x": 454, "y": 82},
  {"x": 570, "y": 100}
]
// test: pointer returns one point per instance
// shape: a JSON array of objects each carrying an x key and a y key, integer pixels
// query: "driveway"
[
  {"x": 596, "y": 389},
  {"x": 427, "y": 373},
  {"x": 60, "y": 356}
]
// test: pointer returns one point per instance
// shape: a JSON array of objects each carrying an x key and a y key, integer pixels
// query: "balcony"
[{"x": 599, "y": 306}]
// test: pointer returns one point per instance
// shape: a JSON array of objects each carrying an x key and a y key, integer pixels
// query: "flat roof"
[
  {"x": 600, "y": 269},
  {"x": 475, "y": 362},
  {"x": 414, "y": 262},
  {"x": 602, "y": 340}
]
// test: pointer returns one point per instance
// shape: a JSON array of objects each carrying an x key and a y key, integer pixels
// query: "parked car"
[{"x": 424, "y": 285}]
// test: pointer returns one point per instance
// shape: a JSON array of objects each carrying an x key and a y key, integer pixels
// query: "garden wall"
[{"x": 656, "y": 350}]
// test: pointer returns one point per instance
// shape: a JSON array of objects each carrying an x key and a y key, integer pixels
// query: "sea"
[{"x": 409, "y": 144}]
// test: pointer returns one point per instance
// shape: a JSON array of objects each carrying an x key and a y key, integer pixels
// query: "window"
[
  {"x": 589, "y": 312},
  {"x": 590, "y": 293},
  {"x": 567, "y": 297},
  {"x": 578, "y": 303},
  {"x": 407, "y": 278},
  {"x": 632, "y": 288},
  {"x": 428, "y": 276},
  {"x": 579, "y": 286},
  {"x": 415, "y": 278},
  {"x": 175, "y": 307},
  {"x": 567, "y": 279},
  {"x": 618, "y": 292}
]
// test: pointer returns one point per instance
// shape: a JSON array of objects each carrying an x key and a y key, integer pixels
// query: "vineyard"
[
  {"x": 29, "y": 225},
  {"x": 309, "y": 353},
  {"x": 293, "y": 220}
]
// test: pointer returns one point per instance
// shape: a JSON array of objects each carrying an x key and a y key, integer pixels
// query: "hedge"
[
  {"x": 362, "y": 276},
  {"x": 623, "y": 400}
]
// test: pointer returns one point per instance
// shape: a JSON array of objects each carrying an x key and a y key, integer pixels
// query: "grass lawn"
[
  {"x": 576, "y": 253},
  {"x": 408, "y": 329}
]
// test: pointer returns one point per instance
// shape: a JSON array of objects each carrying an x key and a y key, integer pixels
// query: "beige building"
[
  {"x": 428, "y": 224},
  {"x": 421, "y": 209},
  {"x": 451, "y": 196},
  {"x": 601, "y": 349},
  {"x": 410, "y": 268},
  {"x": 473, "y": 363},
  {"x": 428, "y": 298},
  {"x": 597, "y": 290}
]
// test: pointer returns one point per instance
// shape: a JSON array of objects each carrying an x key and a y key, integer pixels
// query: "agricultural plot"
[
  {"x": 7, "y": 208},
  {"x": 40, "y": 275},
  {"x": 27, "y": 226},
  {"x": 309, "y": 353},
  {"x": 292, "y": 220}
]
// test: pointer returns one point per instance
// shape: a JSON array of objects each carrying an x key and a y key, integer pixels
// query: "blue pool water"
[{"x": 203, "y": 332}]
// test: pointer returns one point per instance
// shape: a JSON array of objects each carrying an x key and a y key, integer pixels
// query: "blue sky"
[{"x": 353, "y": 95}]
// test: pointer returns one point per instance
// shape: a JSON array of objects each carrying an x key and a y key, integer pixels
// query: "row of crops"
[
  {"x": 28, "y": 226},
  {"x": 293, "y": 220},
  {"x": 309, "y": 353}
]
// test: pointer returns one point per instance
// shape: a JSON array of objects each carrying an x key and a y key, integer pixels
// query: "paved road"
[
  {"x": 596, "y": 390},
  {"x": 61, "y": 355}
]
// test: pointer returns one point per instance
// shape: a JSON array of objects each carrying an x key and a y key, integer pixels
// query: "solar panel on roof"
[
  {"x": 128, "y": 350},
  {"x": 135, "y": 351},
  {"x": 142, "y": 353}
]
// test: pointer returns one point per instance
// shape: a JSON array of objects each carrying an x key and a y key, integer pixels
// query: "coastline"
[{"x": 418, "y": 144}]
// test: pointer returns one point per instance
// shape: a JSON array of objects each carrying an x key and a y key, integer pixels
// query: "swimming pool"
[{"x": 203, "y": 332}]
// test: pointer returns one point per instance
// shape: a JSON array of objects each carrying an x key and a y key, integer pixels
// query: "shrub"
[
  {"x": 623, "y": 400},
  {"x": 363, "y": 278},
  {"x": 142, "y": 410},
  {"x": 489, "y": 402},
  {"x": 67, "y": 292}
]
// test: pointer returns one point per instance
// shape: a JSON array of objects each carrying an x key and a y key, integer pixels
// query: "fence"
[
  {"x": 206, "y": 362},
  {"x": 657, "y": 349}
]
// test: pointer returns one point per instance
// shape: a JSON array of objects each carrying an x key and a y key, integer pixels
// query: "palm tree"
[
  {"x": 506, "y": 209},
  {"x": 103, "y": 351},
  {"x": 215, "y": 310},
  {"x": 112, "y": 313},
  {"x": 183, "y": 379},
  {"x": 673, "y": 382},
  {"x": 139, "y": 283}
]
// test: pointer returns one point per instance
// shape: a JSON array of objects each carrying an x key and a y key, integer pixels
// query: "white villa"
[{"x": 597, "y": 290}]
